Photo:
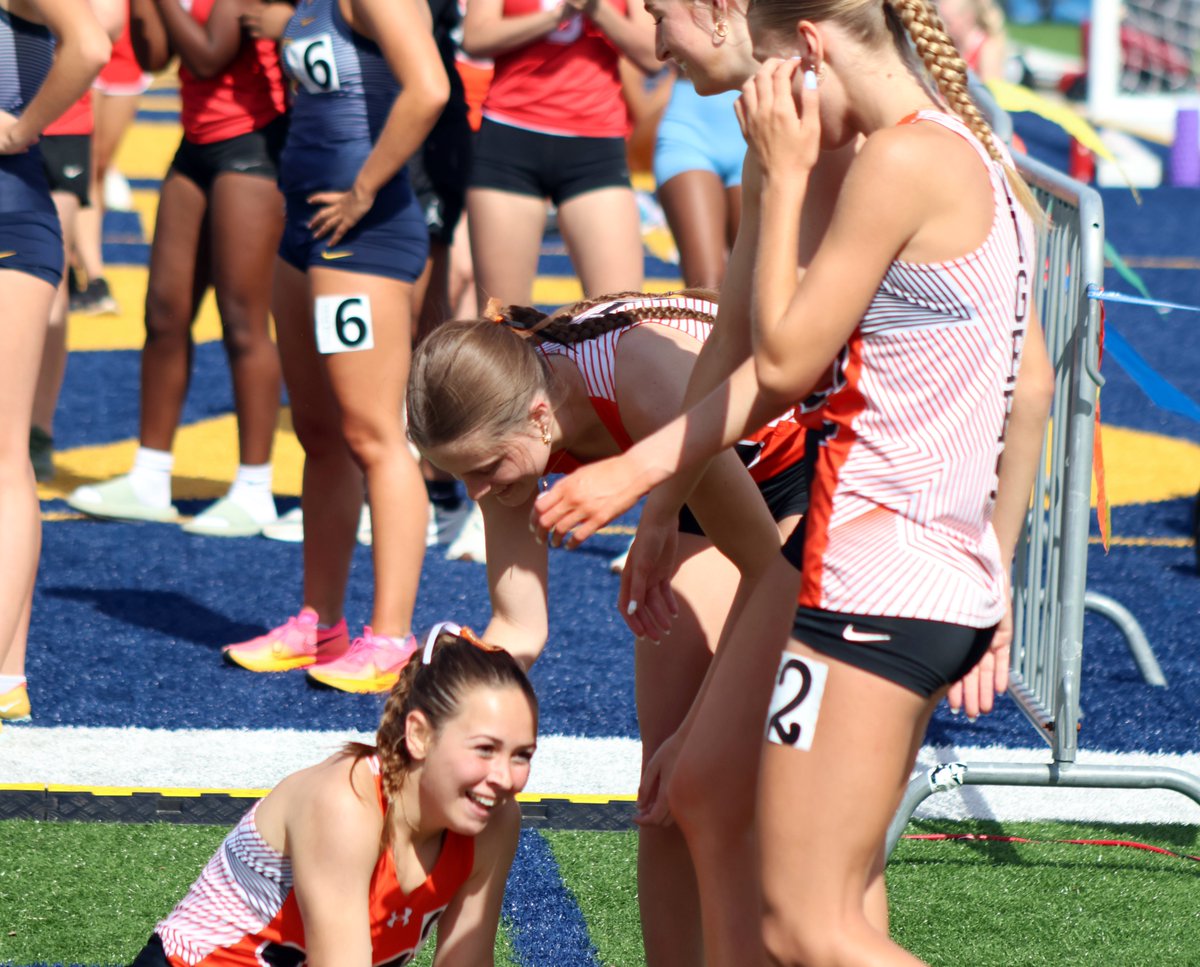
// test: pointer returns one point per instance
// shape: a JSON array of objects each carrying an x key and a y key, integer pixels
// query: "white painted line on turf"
[
  {"x": 257, "y": 759},
  {"x": 564, "y": 765}
]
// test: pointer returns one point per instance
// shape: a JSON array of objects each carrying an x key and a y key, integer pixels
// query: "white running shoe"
[
  {"x": 290, "y": 527},
  {"x": 117, "y": 194},
  {"x": 445, "y": 525},
  {"x": 469, "y": 545}
]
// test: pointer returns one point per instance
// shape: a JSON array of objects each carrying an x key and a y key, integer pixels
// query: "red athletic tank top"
[
  {"x": 566, "y": 83},
  {"x": 122, "y": 70},
  {"x": 77, "y": 119},
  {"x": 242, "y": 911},
  {"x": 246, "y": 96}
]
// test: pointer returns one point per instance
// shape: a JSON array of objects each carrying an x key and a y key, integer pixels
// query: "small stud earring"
[{"x": 720, "y": 31}]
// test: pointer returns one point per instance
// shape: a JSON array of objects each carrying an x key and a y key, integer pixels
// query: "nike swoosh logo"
[
  {"x": 72, "y": 171},
  {"x": 7, "y": 255},
  {"x": 850, "y": 633},
  {"x": 8, "y": 707},
  {"x": 330, "y": 256},
  {"x": 305, "y": 21}
]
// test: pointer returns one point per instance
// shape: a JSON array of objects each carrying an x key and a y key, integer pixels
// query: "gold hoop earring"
[{"x": 545, "y": 433}]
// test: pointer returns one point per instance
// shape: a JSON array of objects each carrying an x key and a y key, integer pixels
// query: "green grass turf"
[
  {"x": 966, "y": 904},
  {"x": 1062, "y": 38},
  {"x": 600, "y": 869},
  {"x": 90, "y": 893}
]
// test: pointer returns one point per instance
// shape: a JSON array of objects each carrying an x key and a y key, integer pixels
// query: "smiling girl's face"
[
  {"x": 480, "y": 758},
  {"x": 507, "y": 469},
  {"x": 689, "y": 32}
]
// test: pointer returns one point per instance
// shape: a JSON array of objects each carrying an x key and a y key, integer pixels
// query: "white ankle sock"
[
  {"x": 251, "y": 491},
  {"x": 151, "y": 476},
  {"x": 9, "y": 682}
]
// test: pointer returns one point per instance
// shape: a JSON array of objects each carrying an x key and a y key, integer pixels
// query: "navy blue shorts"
[
  {"x": 31, "y": 242},
  {"x": 391, "y": 241}
]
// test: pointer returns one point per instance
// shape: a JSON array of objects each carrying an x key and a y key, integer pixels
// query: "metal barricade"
[{"x": 1050, "y": 569}]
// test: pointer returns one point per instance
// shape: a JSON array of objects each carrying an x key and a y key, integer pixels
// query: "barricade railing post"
[{"x": 1050, "y": 565}]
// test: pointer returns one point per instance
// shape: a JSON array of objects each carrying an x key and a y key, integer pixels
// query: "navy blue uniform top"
[
  {"x": 344, "y": 92},
  {"x": 26, "y": 53}
]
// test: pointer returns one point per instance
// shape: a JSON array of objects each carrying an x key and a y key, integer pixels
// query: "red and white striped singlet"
[
  {"x": 912, "y": 429},
  {"x": 777, "y": 446}
]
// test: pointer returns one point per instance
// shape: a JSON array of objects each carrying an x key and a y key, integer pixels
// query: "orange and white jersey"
[
  {"x": 766, "y": 452},
  {"x": 911, "y": 429},
  {"x": 242, "y": 911}
]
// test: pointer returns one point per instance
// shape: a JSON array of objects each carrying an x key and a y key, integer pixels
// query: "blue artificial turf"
[{"x": 128, "y": 619}]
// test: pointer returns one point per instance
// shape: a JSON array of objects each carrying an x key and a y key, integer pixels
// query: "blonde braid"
[
  {"x": 945, "y": 65},
  {"x": 390, "y": 747},
  {"x": 949, "y": 71},
  {"x": 564, "y": 330}
]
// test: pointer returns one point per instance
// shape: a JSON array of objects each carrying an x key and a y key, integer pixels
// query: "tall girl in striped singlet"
[
  {"x": 369, "y": 86},
  {"x": 925, "y": 383},
  {"x": 499, "y": 402},
  {"x": 35, "y": 88},
  {"x": 353, "y": 861}
]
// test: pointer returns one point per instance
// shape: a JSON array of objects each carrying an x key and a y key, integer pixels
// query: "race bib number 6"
[
  {"x": 343, "y": 324},
  {"x": 796, "y": 701},
  {"x": 310, "y": 60}
]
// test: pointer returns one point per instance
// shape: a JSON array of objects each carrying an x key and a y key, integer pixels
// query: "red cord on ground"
[{"x": 989, "y": 838}]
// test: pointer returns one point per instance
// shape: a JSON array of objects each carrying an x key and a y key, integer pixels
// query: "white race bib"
[
  {"x": 796, "y": 701},
  {"x": 311, "y": 62},
  {"x": 343, "y": 324}
]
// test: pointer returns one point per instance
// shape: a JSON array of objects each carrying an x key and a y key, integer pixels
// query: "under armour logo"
[{"x": 391, "y": 921}]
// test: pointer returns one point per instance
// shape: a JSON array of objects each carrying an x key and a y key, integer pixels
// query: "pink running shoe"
[
  {"x": 372, "y": 664},
  {"x": 297, "y": 643}
]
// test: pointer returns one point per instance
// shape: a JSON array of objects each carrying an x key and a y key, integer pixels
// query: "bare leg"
[
  {"x": 695, "y": 204},
  {"x": 668, "y": 675},
  {"x": 54, "y": 354},
  {"x": 369, "y": 387},
  {"x": 27, "y": 302},
  {"x": 246, "y": 219},
  {"x": 113, "y": 113},
  {"x": 722, "y": 751},
  {"x": 603, "y": 234},
  {"x": 506, "y": 239},
  {"x": 178, "y": 278},
  {"x": 821, "y": 852},
  {"x": 332, "y": 489},
  {"x": 461, "y": 283},
  {"x": 434, "y": 302}
]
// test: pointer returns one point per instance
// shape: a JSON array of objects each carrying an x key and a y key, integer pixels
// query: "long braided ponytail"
[{"x": 481, "y": 375}]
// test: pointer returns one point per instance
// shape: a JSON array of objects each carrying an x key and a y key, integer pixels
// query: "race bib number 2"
[
  {"x": 796, "y": 701},
  {"x": 343, "y": 324}
]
